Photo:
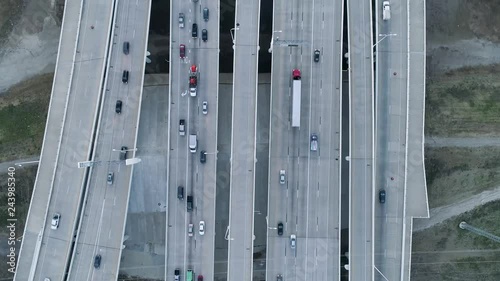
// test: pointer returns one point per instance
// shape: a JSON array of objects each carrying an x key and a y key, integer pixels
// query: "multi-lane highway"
[
  {"x": 303, "y": 183},
  {"x": 308, "y": 203},
  {"x": 104, "y": 212},
  {"x": 68, "y": 139},
  {"x": 185, "y": 168}
]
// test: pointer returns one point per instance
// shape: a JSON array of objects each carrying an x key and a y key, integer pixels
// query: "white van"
[{"x": 193, "y": 143}]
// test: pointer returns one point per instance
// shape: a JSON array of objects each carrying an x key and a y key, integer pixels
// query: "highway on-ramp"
[{"x": 45, "y": 252}]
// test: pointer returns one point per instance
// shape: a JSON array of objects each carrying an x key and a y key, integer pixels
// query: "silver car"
[
  {"x": 181, "y": 20},
  {"x": 111, "y": 176},
  {"x": 282, "y": 176},
  {"x": 204, "y": 107}
]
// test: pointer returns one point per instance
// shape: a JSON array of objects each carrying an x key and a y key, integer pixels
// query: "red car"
[
  {"x": 200, "y": 277},
  {"x": 193, "y": 68},
  {"x": 182, "y": 51}
]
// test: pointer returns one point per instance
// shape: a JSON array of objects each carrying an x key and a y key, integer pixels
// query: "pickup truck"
[
  {"x": 182, "y": 127},
  {"x": 314, "y": 142},
  {"x": 386, "y": 10}
]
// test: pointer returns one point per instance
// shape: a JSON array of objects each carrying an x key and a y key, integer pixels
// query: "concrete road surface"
[
  {"x": 104, "y": 212},
  {"x": 243, "y": 141},
  {"x": 361, "y": 141},
  {"x": 308, "y": 204},
  {"x": 58, "y": 189}
]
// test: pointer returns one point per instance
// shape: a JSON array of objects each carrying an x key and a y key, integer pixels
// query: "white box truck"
[
  {"x": 193, "y": 143},
  {"x": 296, "y": 97}
]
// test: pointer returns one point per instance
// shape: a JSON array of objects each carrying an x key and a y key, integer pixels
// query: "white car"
[
  {"x": 202, "y": 227},
  {"x": 282, "y": 176},
  {"x": 293, "y": 241},
  {"x": 204, "y": 107},
  {"x": 55, "y": 221},
  {"x": 190, "y": 229}
]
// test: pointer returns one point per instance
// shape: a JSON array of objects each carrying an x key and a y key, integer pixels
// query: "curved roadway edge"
[
  {"x": 146, "y": 39},
  {"x": 416, "y": 201},
  {"x": 53, "y": 129}
]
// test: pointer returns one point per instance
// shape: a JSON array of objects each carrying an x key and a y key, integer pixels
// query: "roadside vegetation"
[
  {"x": 23, "y": 111},
  {"x": 454, "y": 173},
  {"x": 464, "y": 102},
  {"x": 25, "y": 181},
  {"x": 446, "y": 252}
]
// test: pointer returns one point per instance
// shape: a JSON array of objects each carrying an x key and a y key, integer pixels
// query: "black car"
[
  {"x": 189, "y": 203},
  {"x": 123, "y": 153},
  {"x": 316, "y": 55},
  {"x": 97, "y": 261},
  {"x": 204, "y": 35},
  {"x": 280, "y": 228},
  {"x": 126, "y": 47},
  {"x": 125, "y": 76},
  {"x": 203, "y": 156},
  {"x": 118, "y": 107},
  {"x": 381, "y": 196},
  {"x": 194, "y": 31}
]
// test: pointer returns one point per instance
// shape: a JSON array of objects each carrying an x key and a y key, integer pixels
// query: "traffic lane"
[
  {"x": 65, "y": 200},
  {"x": 116, "y": 221}
]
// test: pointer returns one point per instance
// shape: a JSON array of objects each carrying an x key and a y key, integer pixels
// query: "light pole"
[
  {"x": 272, "y": 40},
  {"x": 383, "y": 37},
  {"x": 231, "y": 31},
  {"x": 212, "y": 152},
  {"x": 132, "y": 149},
  {"x": 28, "y": 162}
]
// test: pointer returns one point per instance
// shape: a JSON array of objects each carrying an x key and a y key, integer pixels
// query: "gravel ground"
[
  {"x": 461, "y": 142},
  {"x": 31, "y": 47},
  {"x": 440, "y": 214}
]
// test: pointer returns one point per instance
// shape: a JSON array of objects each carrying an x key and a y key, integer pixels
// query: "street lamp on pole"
[
  {"x": 231, "y": 31},
  {"x": 383, "y": 37},
  {"x": 24, "y": 163},
  {"x": 272, "y": 40},
  {"x": 132, "y": 149}
]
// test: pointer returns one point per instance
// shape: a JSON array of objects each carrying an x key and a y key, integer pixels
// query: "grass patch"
[
  {"x": 454, "y": 174},
  {"x": 10, "y": 14},
  {"x": 464, "y": 102},
  {"x": 25, "y": 181},
  {"x": 23, "y": 111},
  {"x": 446, "y": 252}
]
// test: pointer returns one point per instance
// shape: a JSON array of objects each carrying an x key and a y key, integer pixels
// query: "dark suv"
[
  {"x": 203, "y": 156},
  {"x": 180, "y": 192},
  {"x": 118, "y": 107},
  {"x": 125, "y": 76},
  {"x": 123, "y": 153},
  {"x": 204, "y": 35},
  {"x": 381, "y": 196},
  {"x": 126, "y": 47},
  {"x": 194, "y": 31},
  {"x": 97, "y": 261},
  {"x": 280, "y": 228},
  {"x": 189, "y": 203}
]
